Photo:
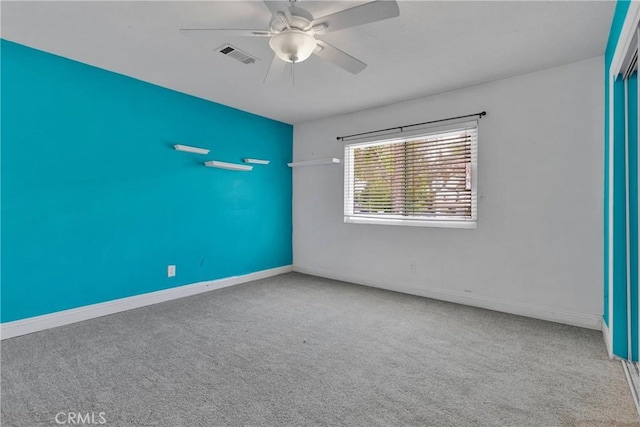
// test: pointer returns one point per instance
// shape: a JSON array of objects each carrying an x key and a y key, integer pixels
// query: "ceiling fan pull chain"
[{"x": 267, "y": 75}]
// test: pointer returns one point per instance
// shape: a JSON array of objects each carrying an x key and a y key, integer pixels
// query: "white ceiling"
[{"x": 431, "y": 48}]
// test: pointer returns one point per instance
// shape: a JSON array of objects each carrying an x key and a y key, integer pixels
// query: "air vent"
[{"x": 237, "y": 54}]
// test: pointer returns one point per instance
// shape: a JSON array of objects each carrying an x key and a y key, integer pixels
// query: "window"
[{"x": 428, "y": 179}]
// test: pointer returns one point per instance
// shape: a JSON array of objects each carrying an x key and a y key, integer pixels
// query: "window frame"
[{"x": 442, "y": 222}]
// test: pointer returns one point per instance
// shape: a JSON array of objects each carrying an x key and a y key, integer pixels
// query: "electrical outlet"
[
  {"x": 171, "y": 271},
  {"x": 412, "y": 267}
]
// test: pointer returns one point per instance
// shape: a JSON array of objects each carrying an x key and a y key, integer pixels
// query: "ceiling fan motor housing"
[{"x": 296, "y": 18}]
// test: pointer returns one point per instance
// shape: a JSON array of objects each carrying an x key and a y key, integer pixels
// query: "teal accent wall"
[
  {"x": 614, "y": 34},
  {"x": 96, "y": 202}
]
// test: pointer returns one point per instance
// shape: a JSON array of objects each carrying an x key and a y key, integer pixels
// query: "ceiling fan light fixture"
[{"x": 293, "y": 45}]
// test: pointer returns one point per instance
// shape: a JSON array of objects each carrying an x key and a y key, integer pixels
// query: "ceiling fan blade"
[
  {"x": 359, "y": 15},
  {"x": 339, "y": 58},
  {"x": 208, "y": 32},
  {"x": 278, "y": 7},
  {"x": 276, "y": 69}
]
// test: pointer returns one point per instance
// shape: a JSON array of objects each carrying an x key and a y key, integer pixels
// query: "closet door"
[
  {"x": 631, "y": 119},
  {"x": 631, "y": 178}
]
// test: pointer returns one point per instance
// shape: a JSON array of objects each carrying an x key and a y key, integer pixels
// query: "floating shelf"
[
  {"x": 256, "y": 161},
  {"x": 190, "y": 149},
  {"x": 314, "y": 162},
  {"x": 225, "y": 165}
]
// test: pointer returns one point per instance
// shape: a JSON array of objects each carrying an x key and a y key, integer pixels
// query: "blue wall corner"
[{"x": 96, "y": 203}]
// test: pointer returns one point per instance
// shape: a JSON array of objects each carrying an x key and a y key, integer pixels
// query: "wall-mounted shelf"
[
  {"x": 331, "y": 161},
  {"x": 190, "y": 149},
  {"x": 225, "y": 165},
  {"x": 256, "y": 161}
]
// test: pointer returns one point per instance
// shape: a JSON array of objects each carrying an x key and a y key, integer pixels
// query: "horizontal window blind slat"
[
  {"x": 372, "y": 151},
  {"x": 440, "y": 148},
  {"x": 434, "y": 214},
  {"x": 411, "y": 195},
  {"x": 426, "y": 207},
  {"x": 437, "y": 141},
  {"x": 412, "y": 145},
  {"x": 409, "y": 155},
  {"x": 403, "y": 162},
  {"x": 425, "y": 170},
  {"x": 441, "y": 191},
  {"x": 376, "y": 180},
  {"x": 431, "y": 206},
  {"x": 432, "y": 146},
  {"x": 410, "y": 200},
  {"x": 452, "y": 163},
  {"x": 437, "y": 168}
]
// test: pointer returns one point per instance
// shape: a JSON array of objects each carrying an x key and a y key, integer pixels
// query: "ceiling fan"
[{"x": 292, "y": 32}]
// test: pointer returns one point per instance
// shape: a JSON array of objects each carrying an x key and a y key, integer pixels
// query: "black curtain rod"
[{"x": 402, "y": 128}]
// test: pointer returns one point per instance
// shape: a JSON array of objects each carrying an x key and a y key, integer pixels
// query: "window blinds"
[{"x": 429, "y": 177}]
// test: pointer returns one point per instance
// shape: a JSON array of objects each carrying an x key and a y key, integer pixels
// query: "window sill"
[{"x": 412, "y": 222}]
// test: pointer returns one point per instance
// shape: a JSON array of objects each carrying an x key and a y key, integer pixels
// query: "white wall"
[{"x": 537, "y": 250}]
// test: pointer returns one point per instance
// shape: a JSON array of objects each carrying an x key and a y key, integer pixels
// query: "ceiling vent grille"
[{"x": 237, "y": 54}]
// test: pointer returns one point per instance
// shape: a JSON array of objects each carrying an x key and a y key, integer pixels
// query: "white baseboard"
[
  {"x": 60, "y": 318},
  {"x": 536, "y": 312}
]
